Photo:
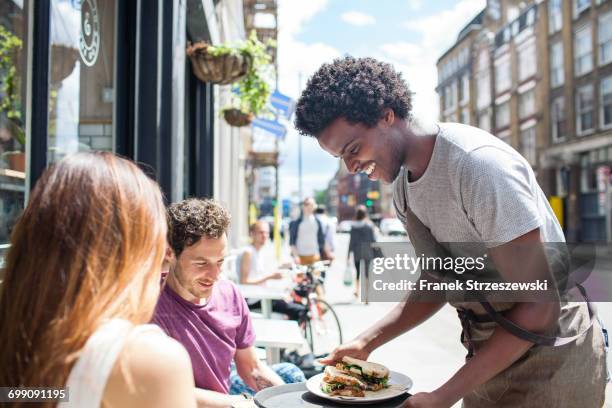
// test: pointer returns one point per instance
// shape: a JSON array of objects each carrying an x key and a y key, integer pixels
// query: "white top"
[
  {"x": 478, "y": 189},
  {"x": 256, "y": 268},
  {"x": 330, "y": 231},
  {"x": 89, "y": 375},
  {"x": 306, "y": 243}
]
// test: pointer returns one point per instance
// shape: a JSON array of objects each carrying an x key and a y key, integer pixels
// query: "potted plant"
[
  {"x": 10, "y": 106},
  {"x": 252, "y": 91},
  {"x": 220, "y": 65}
]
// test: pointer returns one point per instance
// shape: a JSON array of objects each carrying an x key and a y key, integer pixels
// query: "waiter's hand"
[
  {"x": 425, "y": 400},
  {"x": 354, "y": 348}
]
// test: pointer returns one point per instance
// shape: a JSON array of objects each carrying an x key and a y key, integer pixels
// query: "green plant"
[
  {"x": 10, "y": 104},
  {"x": 253, "y": 89}
]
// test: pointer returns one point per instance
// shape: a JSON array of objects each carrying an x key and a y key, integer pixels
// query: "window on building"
[
  {"x": 528, "y": 144},
  {"x": 450, "y": 96},
  {"x": 465, "y": 88},
  {"x": 583, "y": 50},
  {"x": 558, "y": 122},
  {"x": 526, "y": 104},
  {"x": 605, "y": 92},
  {"x": 484, "y": 121},
  {"x": 13, "y": 68},
  {"x": 465, "y": 116},
  {"x": 605, "y": 38},
  {"x": 580, "y": 6},
  {"x": 505, "y": 137},
  {"x": 503, "y": 75},
  {"x": 527, "y": 60},
  {"x": 502, "y": 115},
  {"x": 555, "y": 16},
  {"x": 584, "y": 109},
  {"x": 556, "y": 65}
]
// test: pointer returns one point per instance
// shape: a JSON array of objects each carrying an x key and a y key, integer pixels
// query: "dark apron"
[{"x": 569, "y": 372}]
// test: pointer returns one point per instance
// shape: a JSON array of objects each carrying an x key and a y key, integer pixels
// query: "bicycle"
[{"x": 320, "y": 324}]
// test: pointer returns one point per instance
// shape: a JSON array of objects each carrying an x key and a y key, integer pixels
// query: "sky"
[{"x": 410, "y": 34}]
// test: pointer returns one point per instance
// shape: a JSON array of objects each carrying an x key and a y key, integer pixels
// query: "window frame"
[
  {"x": 555, "y": 13},
  {"x": 503, "y": 61},
  {"x": 579, "y": 110},
  {"x": 601, "y": 17},
  {"x": 587, "y": 28},
  {"x": 602, "y": 125},
  {"x": 556, "y": 138},
  {"x": 506, "y": 106},
  {"x": 553, "y": 68}
]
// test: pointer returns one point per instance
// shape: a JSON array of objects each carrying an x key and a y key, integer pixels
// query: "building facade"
[
  {"x": 113, "y": 75},
  {"x": 538, "y": 76}
]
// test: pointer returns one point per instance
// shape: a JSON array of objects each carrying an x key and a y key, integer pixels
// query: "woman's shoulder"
[{"x": 150, "y": 365}]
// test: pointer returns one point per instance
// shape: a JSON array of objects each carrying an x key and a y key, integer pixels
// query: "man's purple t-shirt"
[{"x": 211, "y": 333}]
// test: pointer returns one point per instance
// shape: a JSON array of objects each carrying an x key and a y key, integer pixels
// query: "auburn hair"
[{"x": 87, "y": 248}]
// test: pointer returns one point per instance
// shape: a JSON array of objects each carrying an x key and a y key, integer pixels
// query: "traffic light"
[{"x": 369, "y": 203}]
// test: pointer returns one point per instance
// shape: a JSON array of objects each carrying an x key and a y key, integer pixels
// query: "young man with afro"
[{"x": 455, "y": 183}]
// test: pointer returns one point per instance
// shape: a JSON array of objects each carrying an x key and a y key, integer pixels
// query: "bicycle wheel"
[{"x": 323, "y": 331}]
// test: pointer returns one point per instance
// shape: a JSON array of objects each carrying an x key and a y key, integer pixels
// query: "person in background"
[
  {"x": 329, "y": 229},
  {"x": 362, "y": 235},
  {"x": 208, "y": 315},
  {"x": 306, "y": 235},
  {"x": 81, "y": 281},
  {"x": 252, "y": 272}
]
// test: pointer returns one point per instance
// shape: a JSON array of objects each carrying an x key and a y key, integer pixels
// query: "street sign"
[
  {"x": 270, "y": 126},
  {"x": 282, "y": 103}
]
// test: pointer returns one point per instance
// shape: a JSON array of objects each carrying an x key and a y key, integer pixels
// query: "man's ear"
[
  {"x": 169, "y": 255},
  {"x": 388, "y": 118}
]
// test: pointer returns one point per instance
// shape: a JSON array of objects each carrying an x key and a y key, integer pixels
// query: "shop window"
[
  {"x": 13, "y": 66},
  {"x": 81, "y": 81}
]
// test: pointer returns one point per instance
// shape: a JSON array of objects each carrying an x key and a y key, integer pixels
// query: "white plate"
[{"x": 398, "y": 384}]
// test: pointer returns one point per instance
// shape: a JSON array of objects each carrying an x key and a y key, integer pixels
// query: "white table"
[
  {"x": 265, "y": 294},
  {"x": 275, "y": 335}
]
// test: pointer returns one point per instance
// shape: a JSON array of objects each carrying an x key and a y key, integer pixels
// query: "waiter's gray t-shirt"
[{"x": 477, "y": 189}]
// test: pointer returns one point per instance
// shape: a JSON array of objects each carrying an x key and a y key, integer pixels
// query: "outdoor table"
[
  {"x": 274, "y": 335},
  {"x": 297, "y": 395},
  {"x": 265, "y": 294}
]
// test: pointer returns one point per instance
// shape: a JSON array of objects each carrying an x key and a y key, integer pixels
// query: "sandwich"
[
  {"x": 375, "y": 376},
  {"x": 336, "y": 382}
]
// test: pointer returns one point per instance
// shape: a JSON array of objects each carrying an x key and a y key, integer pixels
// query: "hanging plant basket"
[
  {"x": 237, "y": 118},
  {"x": 218, "y": 69}
]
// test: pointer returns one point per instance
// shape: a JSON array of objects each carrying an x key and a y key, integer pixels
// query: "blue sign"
[
  {"x": 270, "y": 126},
  {"x": 282, "y": 103}
]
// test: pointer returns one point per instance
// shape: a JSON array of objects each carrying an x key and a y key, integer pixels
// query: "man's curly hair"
[
  {"x": 191, "y": 219},
  {"x": 357, "y": 89}
]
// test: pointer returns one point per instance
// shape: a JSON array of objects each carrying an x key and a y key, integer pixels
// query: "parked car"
[
  {"x": 344, "y": 227},
  {"x": 392, "y": 227}
]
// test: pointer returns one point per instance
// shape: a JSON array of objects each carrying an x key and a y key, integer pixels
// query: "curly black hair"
[
  {"x": 357, "y": 89},
  {"x": 190, "y": 220}
]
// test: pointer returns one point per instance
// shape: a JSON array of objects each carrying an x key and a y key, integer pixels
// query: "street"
[{"x": 431, "y": 353}]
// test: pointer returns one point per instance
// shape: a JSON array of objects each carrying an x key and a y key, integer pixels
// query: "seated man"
[
  {"x": 252, "y": 271},
  {"x": 207, "y": 315}
]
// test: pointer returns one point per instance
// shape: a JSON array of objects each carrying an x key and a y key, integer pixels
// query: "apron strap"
[{"x": 536, "y": 338}]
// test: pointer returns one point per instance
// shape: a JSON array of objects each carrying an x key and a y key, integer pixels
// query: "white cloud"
[
  {"x": 357, "y": 18},
  {"x": 297, "y": 61},
  {"x": 417, "y": 60}
]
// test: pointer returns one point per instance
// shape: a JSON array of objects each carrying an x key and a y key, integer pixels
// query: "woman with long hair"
[{"x": 81, "y": 282}]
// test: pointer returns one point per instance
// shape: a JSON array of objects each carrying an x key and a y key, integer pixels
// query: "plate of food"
[{"x": 356, "y": 381}]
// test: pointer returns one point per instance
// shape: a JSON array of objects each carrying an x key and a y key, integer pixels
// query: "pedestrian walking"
[{"x": 361, "y": 238}]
